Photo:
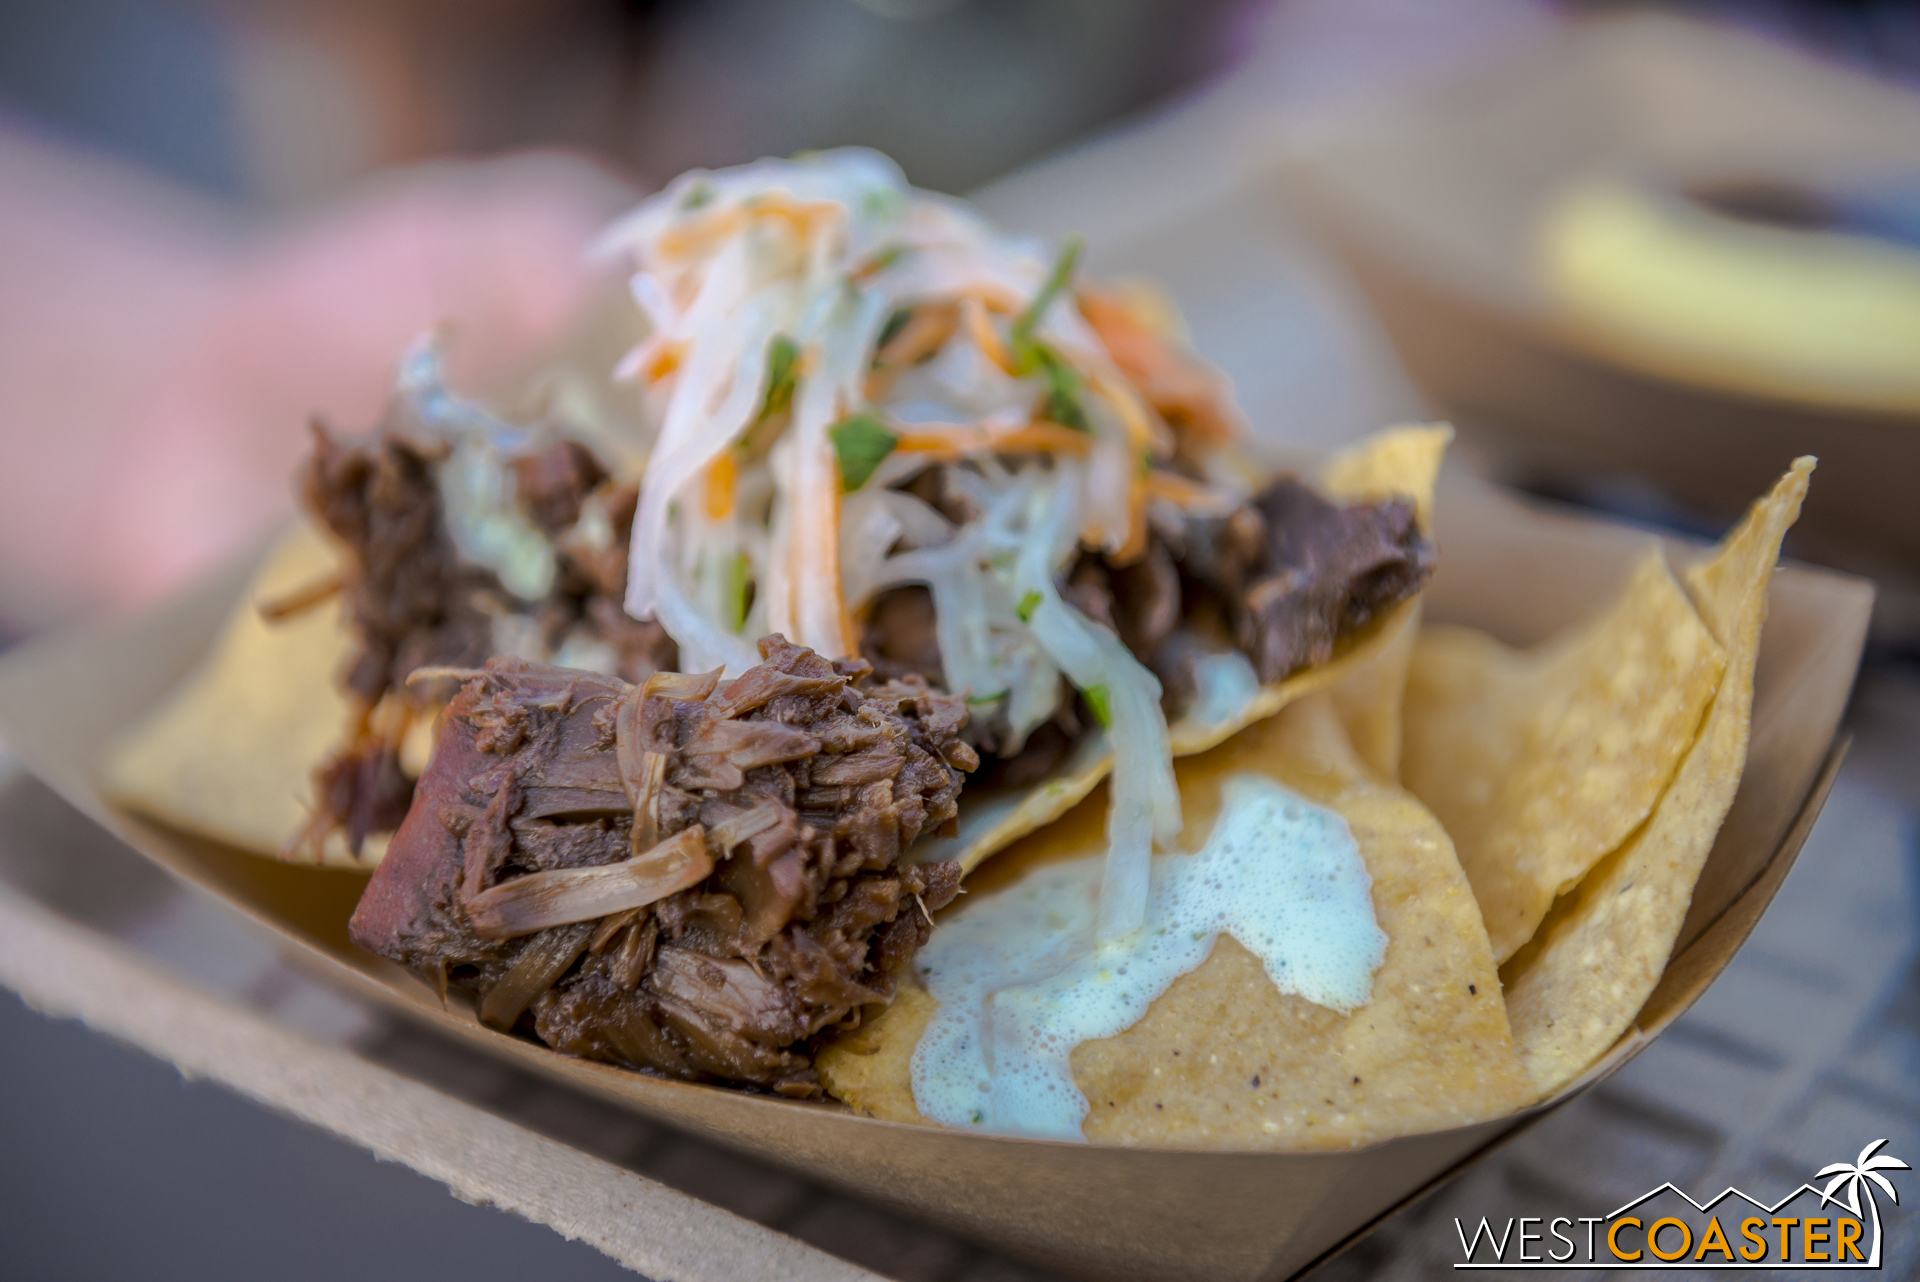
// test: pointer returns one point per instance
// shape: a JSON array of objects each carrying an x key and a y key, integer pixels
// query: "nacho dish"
[{"x": 865, "y": 663}]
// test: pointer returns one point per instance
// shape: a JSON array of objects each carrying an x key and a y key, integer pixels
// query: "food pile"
[{"x": 674, "y": 698}]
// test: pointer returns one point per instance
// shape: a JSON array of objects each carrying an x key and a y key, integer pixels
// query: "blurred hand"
[{"x": 157, "y": 371}]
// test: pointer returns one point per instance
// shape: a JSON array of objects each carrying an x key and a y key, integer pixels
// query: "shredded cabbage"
[{"x": 817, "y": 334}]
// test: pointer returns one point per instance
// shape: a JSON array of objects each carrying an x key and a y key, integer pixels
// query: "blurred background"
[
  {"x": 218, "y": 218},
  {"x": 1641, "y": 254}
]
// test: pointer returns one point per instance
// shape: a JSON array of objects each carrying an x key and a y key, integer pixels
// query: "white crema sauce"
[{"x": 1021, "y": 979}]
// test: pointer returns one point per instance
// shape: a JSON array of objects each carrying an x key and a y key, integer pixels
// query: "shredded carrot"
[
  {"x": 995, "y": 298},
  {"x": 666, "y": 359},
  {"x": 686, "y": 239},
  {"x": 1142, "y": 429},
  {"x": 1042, "y": 436},
  {"x": 696, "y": 234},
  {"x": 1185, "y": 492},
  {"x": 721, "y": 475},
  {"x": 927, "y": 330},
  {"x": 1136, "y": 545},
  {"x": 1039, "y": 437},
  {"x": 974, "y": 313},
  {"x": 1186, "y": 392}
]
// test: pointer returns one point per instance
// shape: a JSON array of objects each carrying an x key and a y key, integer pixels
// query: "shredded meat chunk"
[
  {"x": 412, "y": 602},
  {"x": 1282, "y": 578},
  {"x": 692, "y": 878},
  {"x": 1317, "y": 571},
  {"x": 410, "y": 599}
]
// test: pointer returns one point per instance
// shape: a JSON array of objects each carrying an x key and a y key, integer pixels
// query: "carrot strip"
[
  {"x": 1039, "y": 437},
  {"x": 721, "y": 476},
  {"x": 693, "y": 236},
  {"x": 1136, "y": 545},
  {"x": 1183, "y": 389},
  {"x": 926, "y": 332},
  {"x": 1185, "y": 492},
  {"x": 974, "y": 313},
  {"x": 665, "y": 361}
]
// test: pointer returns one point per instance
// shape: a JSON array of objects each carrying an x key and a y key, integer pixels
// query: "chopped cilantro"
[
  {"x": 739, "y": 589},
  {"x": 1028, "y": 604},
  {"x": 890, "y": 330},
  {"x": 1061, "y": 277},
  {"x": 782, "y": 356},
  {"x": 884, "y": 259},
  {"x": 1031, "y": 356},
  {"x": 1064, "y": 405},
  {"x": 863, "y": 443},
  {"x": 1102, "y": 705}
]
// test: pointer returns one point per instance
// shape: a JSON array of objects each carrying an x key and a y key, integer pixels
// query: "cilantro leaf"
[
  {"x": 739, "y": 589},
  {"x": 863, "y": 443},
  {"x": 1057, "y": 281},
  {"x": 1028, "y": 604},
  {"x": 782, "y": 356},
  {"x": 896, "y": 322},
  {"x": 1064, "y": 386},
  {"x": 1101, "y": 704}
]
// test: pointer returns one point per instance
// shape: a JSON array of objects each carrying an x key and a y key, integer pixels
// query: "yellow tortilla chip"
[
  {"x": 1578, "y": 985},
  {"x": 1370, "y": 695},
  {"x": 1539, "y": 762},
  {"x": 231, "y": 753},
  {"x": 1404, "y": 461},
  {"x": 1225, "y": 1060},
  {"x": 1400, "y": 461}
]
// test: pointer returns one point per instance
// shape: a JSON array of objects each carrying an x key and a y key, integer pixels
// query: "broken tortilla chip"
[
  {"x": 231, "y": 753},
  {"x": 1578, "y": 985},
  {"x": 1402, "y": 461},
  {"x": 1539, "y": 762},
  {"x": 1224, "y": 1059}
]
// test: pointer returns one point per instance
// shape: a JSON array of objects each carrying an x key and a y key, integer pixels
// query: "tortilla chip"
[
  {"x": 1400, "y": 461},
  {"x": 231, "y": 752},
  {"x": 1540, "y": 762},
  {"x": 1370, "y": 697},
  {"x": 1579, "y": 984},
  {"x": 1225, "y": 1060},
  {"x": 871, "y": 1069},
  {"x": 1404, "y": 461}
]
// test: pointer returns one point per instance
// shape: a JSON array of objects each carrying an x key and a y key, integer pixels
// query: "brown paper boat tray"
[{"x": 1520, "y": 572}]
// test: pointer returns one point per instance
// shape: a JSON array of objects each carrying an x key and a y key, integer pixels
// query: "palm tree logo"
[{"x": 1854, "y": 1176}]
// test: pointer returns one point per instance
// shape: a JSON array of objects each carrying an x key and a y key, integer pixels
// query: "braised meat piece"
[
  {"x": 1282, "y": 578},
  {"x": 409, "y": 598},
  {"x": 682, "y": 876},
  {"x": 1310, "y": 571},
  {"x": 412, "y": 603}
]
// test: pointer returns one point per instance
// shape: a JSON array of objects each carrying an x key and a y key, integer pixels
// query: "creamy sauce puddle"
[{"x": 1021, "y": 981}]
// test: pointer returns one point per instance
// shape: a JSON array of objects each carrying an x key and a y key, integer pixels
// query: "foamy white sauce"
[{"x": 1021, "y": 981}]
